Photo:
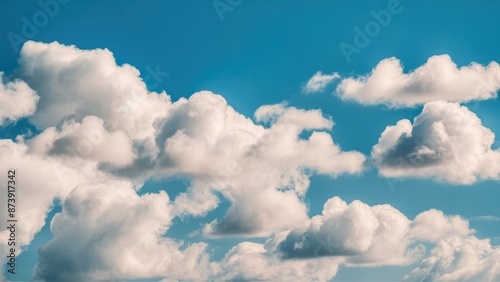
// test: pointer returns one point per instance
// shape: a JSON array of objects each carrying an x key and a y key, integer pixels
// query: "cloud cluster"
[
  {"x": 103, "y": 133},
  {"x": 100, "y": 108},
  {"x": 40, "y": 179},
  {"x": 357, "y": 235},
  {"x": 262, "y": 171},
  {"x": 108, "y": 232},
  {"x": 371, "y": 235},
  {"x": 79, "y": 83},
  {"x": 438, "y": 79},
  {"x": 364, "y": 235},
  {"x": 446, "y": 142},
  {"x": 17, "y": 100}
]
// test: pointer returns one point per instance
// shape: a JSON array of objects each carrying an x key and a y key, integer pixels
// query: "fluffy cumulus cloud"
[
  {"x": 364, "y": 234},
  {"x": 79, "y": 83},
  {"x": 108, "y": 232},
  {"x": 368, "y": 235},
  {"x": 17, "y": 100},
  {"x": 355, "y": 235},
  {"x": 438, "y": 79},
  {"x": 39, "y": 180},
  {"x": 252, "y": 261},
  {"x": 319, "y": 81},
  {"x": 446, "y": 142},
  {"x": 261, "y": 171},
  {"x": 102, "y": 133}
]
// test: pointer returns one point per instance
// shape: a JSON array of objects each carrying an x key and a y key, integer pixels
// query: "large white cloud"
[
  {"x": 103, "y": 128},
  {"x": 446, "y": 142},
  {"x": 201, "y": 137},
  {"x": 80, "y": 83},
  {"x": 39, "y": 180},
  {"x": 438, "y": 79},
  {"x": 251, "y": 261},
  {"x": 108, "y": 232},
  {"x": 17, "y": 100},
  {"x": 262, "y": 171},
  {"x": 357, "y": 235},
  {"x": 364, "y": 234}
]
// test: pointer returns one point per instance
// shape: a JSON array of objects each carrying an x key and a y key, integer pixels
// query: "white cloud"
[
  {"x": 88, "y": 140},
  {"x": 270, "y": 113},
  {"x": 446, "y": 142},
  {"x": 39, "y": 180},
  {"x": 88, "y": 101},
  {"x": 361, "y": 234},
  {"x": 17, "y": 100},
  {"x": 79, "y": 83},
  {"x": 262, "y": 171},
  {"x": 251, "y": 261},
  {"x": 259, "y": 213},
  {"x": 108, "y": 232},
  {"x": 433, "y": 225},
  {"x": 319, "y": 81},
  {"x": 196, "y": 201},
  {"x": 459, "y": 259},
  {"x": 357, "y": 235},
  {"x": 438, "y": 79},
  {"x": 86, "y": 98}
]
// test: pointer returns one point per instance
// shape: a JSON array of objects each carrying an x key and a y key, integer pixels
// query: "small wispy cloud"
[
  {"x": 319, "y": 81},
  {"x": 485, "y": 218}
]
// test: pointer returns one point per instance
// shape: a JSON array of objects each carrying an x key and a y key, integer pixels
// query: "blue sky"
[{"x": 263, "y": 52}]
